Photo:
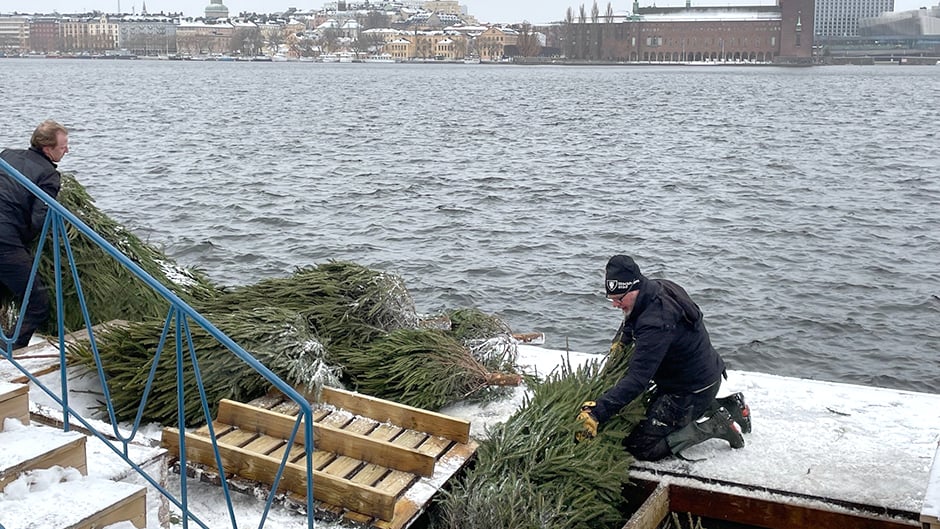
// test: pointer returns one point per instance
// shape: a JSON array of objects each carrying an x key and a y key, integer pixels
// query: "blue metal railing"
[{"x": 178, "y": 317}]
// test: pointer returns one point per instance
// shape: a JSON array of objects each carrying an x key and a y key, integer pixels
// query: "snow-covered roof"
[{"x": 712, "y": 15}]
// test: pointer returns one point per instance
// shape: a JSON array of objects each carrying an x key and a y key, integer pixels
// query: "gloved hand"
[
  {"x": 588, "y": 422},
  {"x": 616, "y": 348}
]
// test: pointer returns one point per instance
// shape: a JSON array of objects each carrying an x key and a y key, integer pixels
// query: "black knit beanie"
[{"x": 623, "y": 275}]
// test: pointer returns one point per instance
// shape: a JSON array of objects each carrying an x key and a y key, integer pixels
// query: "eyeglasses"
[{"x": 617, "y": 299}]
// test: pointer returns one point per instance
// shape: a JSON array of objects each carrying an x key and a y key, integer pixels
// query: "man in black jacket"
[
  {"x": 673, "y": 352},
  {"x": 21, "y": 218}
]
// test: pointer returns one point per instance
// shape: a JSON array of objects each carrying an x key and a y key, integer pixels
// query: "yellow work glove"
[
  {"x": 616, "y": 348},
  {"x": 588, "y": 422}
]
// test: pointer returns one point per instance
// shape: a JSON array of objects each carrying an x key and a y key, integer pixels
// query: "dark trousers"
[
  {"x": 667, "y": 413},
  {"x": 15, "y": 267}
]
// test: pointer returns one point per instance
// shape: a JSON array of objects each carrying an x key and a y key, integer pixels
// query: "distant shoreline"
[{"x": 861, "y": 60}]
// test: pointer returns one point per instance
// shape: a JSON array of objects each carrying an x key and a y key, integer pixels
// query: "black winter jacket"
[
  {"x": 22, "y": 213},
  {"x": 672, "y": 348}
]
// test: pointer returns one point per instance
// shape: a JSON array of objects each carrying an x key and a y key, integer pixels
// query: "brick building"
[
  {"x": 781, "y": 33},
  {"x": 44, "y": 36}
]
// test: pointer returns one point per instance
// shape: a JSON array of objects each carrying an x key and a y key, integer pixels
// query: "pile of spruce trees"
[{"x": 340, "y": 323}]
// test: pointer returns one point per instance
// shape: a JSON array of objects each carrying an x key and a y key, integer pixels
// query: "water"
[{"x": 800, "y": 207}]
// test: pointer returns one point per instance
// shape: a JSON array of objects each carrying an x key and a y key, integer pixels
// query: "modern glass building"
[{"x": 839, "y": 18}]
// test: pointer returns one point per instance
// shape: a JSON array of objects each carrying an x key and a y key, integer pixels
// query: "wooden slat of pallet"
[
  {"x": 416, "y": 499},
  {"x": 342, "y": 442},
  {"x": 238, "y": 437},
  {"x": 434, "y": 446},
  {"x": 395, "y": 482},
  {"x": 386, "y": 432},
  {"x": 410, "y": 439},
  {"x": 220, "y": 428},
  {"x": 265, "y": 444},
  {"x": 328, "y": 488},
  {"x": 404, "y": 416},
  {"x": 297, "y": 452}
]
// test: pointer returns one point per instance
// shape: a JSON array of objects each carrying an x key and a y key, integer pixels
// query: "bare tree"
[
  {"x": 247, "y": 41},
  {"x": 528, "y": 41},
  {"x": 274, "y": 38},
  {"x": 329, "y": 39},
  {"x": 597, "y": 29},
  {"x": 570, "y": 34},
  {"x": 582, "y": 33},
  {"x": 374, "y": 19}
]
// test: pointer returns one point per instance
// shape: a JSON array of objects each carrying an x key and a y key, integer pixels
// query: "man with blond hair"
[{"x": 21, "y": 218}]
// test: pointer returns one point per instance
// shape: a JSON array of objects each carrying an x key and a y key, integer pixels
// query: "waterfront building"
[
  {"x": 916, "y": 23},
  {"x": 80, "y": 34},
  {"x": 147, "y": 35},
  {"x": 839, "y": 18},
  {"x": 44, "y": 35},
  {"x": 492, "y": 43},
  {"x": 782, "y": 33},
  {"x": 199, "y": 37},
  {"x": 14, "y": 34}
]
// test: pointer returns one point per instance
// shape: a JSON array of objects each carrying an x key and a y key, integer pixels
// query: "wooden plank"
[
  {"x": 68, "y": 454},
  {"x": 651, "y": 512},
  {"x": 413, "y": 503},
  {"x": 343, "y": 467},
  {"x": 14, "y": 404},
  {"x": 410, "y": 439},
  {"x": 404, "y": 416},
  {"x": 341, "y": 442},
  {"x": 434, "y": 446},
  {"x": 386, "y": 432},
  {"x": 265, "y": 444},
  {"x": 770, "y": 514},
  {"x": 220, "y": 428},
  {"x": 237, "y": 437},
  {"x": 327, "y": 488},
  {"x": 395, "y": 482},
  {"x": 131, "y": 509},
  {"x": 337, "y": 419},
  {"x": 297, "y": 452},
  {"x": 362, "y": 426}
]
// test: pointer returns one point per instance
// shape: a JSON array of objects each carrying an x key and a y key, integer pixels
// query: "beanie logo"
[{"x": 615, "y": 285}]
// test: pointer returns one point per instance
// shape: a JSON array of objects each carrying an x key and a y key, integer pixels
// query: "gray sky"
[{"x": 535, "y": 11}]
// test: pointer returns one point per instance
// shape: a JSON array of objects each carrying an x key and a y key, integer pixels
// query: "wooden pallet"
[{"x": 376, "y": 463}]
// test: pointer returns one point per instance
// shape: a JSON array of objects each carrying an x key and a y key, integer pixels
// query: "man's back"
[{"x": 21, "y": 213}]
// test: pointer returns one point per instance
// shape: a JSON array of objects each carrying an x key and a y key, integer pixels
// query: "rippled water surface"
[{"x": 800, "y": 207}]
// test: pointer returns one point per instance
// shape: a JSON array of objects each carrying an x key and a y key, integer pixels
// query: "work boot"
[
  {"x": 718, "y": 426},
  {"x": 740, "y": 411}
]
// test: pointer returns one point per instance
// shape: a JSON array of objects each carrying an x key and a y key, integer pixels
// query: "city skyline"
[{"x": 486, "y": 11}]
